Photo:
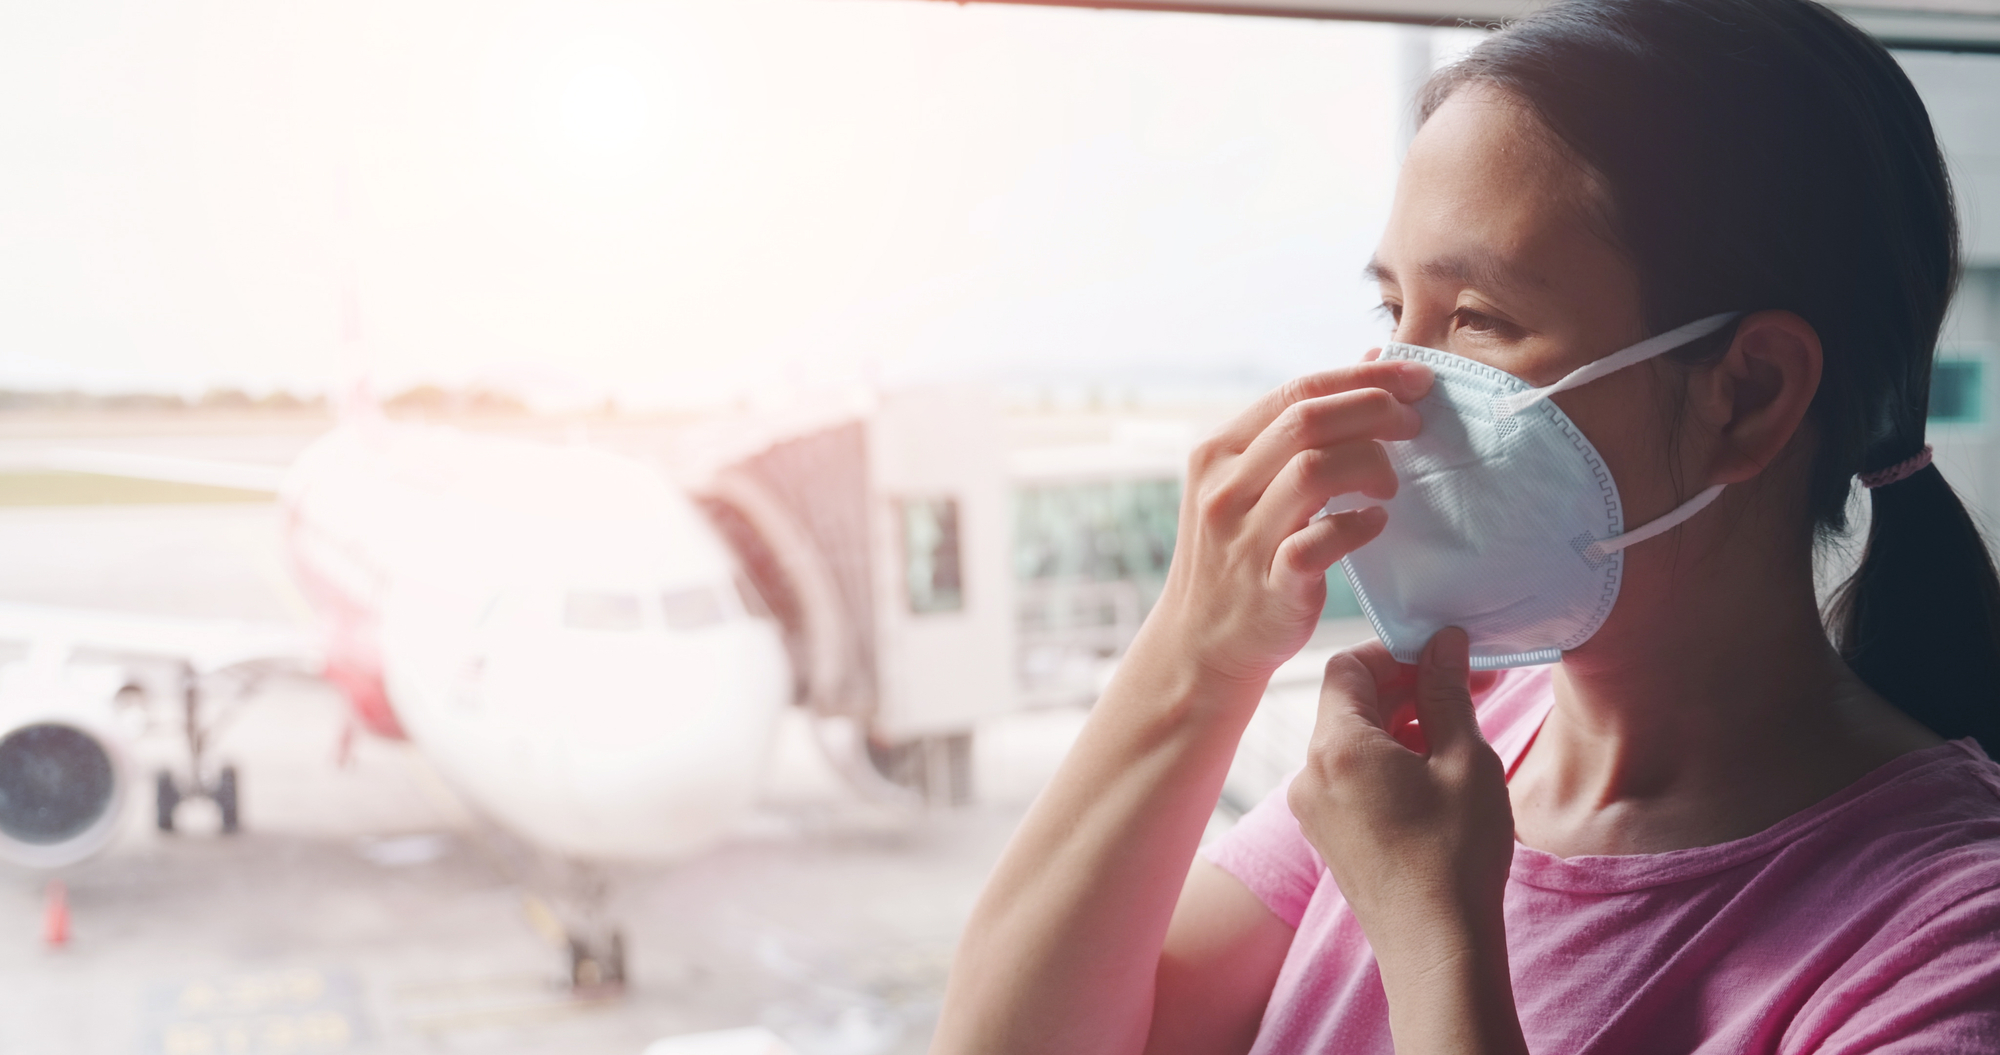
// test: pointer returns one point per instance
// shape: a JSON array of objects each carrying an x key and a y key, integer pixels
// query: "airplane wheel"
[
  {"x": 165, "y": 797},
  {"x": 614, "y": 959},
  {"x": 584, "y": 971},
  {"x": 225, "y": 799},
  {"x": 590, "y": 969}
]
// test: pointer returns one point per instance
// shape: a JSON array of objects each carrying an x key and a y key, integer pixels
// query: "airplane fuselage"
[{"x": 558, "y": 629}]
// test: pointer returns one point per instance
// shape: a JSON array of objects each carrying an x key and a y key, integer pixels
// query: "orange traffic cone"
[{"x": 55, "y": 915}]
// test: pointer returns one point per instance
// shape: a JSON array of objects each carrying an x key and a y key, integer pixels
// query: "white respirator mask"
[{"x": 1506, "y": 522}]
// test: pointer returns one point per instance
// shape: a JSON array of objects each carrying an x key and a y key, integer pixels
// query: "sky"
[{"x": 683, "y": 202}]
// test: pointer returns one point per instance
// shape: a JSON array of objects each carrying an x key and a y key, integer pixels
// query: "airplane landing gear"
[
  {"x": 170, "y": 791},
  {"x": 225, "y": 799},
  {"x": 166, "y": 798},
  {"x": 168, "y": 794},
  {"x": 597, "y": 965},
  {"x": 574, "y": 920}
]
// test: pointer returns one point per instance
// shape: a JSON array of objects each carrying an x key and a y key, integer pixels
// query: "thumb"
[{"x": 1444, "y": 694}]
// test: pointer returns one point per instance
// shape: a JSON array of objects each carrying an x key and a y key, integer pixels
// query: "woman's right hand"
[
  {"x": 1063, "y": 953},
  {"x": 1248, "y": 578}
]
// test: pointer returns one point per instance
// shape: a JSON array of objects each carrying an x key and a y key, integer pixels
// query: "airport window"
[
  {"x": 692, "y": 609},
  {"x": 1098, "y": 532},
  {"x": 598, "y": 610},
  {"x": 1090, "y": 559},
  {"x": 931, "y": 573},
  {"x": 1955, "y": 392}
]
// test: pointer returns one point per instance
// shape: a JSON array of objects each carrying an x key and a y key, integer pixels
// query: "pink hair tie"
[{"x": 1902, "y": 470}]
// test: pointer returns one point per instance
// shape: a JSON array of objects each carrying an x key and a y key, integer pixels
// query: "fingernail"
[{"x": 1418, "y": 376}]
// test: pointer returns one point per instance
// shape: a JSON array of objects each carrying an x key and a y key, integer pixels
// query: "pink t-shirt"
[{"x": 1867, "y": 923}]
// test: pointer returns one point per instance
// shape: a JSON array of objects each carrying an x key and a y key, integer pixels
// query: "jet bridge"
[{"x": 879, "y": 539}]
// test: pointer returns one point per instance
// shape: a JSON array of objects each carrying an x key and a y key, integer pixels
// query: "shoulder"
[
  {"x": 1268, "y": 853},
  {"x": 1915, "y": 888},
  {"x": 1931, "y": 826},
  {"x": 1927, "y": 978},
  {"x": 1938, "y": 805}
]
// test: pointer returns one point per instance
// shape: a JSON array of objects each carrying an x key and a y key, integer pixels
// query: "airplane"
[
  {"x": 563, "y": 633},
  {"x": 573, "y": 640}
]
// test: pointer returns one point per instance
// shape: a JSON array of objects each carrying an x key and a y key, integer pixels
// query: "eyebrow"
[{"x": 1478, "y": 270}]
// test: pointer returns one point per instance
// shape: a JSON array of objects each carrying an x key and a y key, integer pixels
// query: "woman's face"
[{"x": 1497, "y": 252}]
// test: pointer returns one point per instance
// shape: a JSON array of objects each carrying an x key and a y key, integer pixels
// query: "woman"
[{"x": 1709, "y": 827}]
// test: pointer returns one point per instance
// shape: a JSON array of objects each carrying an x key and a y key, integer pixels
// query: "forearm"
[
  {"x": 1062, "y": 950},
  {"x": 1449, "y": 987},
  {"x": 1419, "y": 842}
]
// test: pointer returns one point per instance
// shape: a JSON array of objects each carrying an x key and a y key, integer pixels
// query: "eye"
[
  {"x": 1390, "y": 310},
  {"x": 1480, "y": 322}
]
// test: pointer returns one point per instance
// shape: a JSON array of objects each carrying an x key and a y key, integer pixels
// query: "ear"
[{"x": 1757, "y": 395}]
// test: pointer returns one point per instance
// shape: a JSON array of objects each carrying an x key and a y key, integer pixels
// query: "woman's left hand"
[{"x": 1407, "y": 804}]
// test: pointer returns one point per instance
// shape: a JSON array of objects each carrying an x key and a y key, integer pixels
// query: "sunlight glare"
[
  {"x": 599, "y": 109},
  {"x": 604, "y": 109}
]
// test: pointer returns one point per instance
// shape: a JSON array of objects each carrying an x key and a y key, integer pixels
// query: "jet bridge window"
[
  {"x": 601, "y": 610},
  {"x": 931, "y": 575}
]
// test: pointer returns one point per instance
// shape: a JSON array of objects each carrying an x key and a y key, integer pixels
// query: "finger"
[
  {"x": 1349, "y": 694},
  {"x": 1444, "y": 698},
  {"x": 1395, "y": 683},
  {"x": 1315, "y": 475},
  {"x": 1371, "y": 355},
  {"x": 1407, "y": 381},
  {"x": 1307, "y": 553},
  {"x": 1389, "y": 683},
  {"x": 1328, "y": 421}
]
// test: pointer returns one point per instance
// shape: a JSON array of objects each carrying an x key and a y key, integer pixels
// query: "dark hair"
[{"x": 1766, "y": 154}]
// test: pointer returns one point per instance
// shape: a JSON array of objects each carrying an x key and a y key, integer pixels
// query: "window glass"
[
  {"x": 601, "y": 610},
  {"x": 1090, "y": 559},
  {"x": 1955, "y": 391},
  {"x": 751, "y": 598},
  {"x": 930, "y": 555},
  {"x": 694, "y": 608}
]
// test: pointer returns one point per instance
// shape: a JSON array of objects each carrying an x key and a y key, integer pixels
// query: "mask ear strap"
[
  {"x": 1605, "y": 547},
  {"x": 1616, "y": 361}
]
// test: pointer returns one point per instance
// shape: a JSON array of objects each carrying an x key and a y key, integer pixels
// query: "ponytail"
[{"x": 1919, "y": 620}]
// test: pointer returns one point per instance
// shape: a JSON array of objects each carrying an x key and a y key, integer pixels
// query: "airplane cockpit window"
[
  {"x": 692, "y": 608},
  {"x": 600, "y": 610},
  {"x": 751, "y": 598}
]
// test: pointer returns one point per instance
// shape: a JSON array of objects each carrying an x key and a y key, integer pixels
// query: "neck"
[{"x": 1723, "y": 713}]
